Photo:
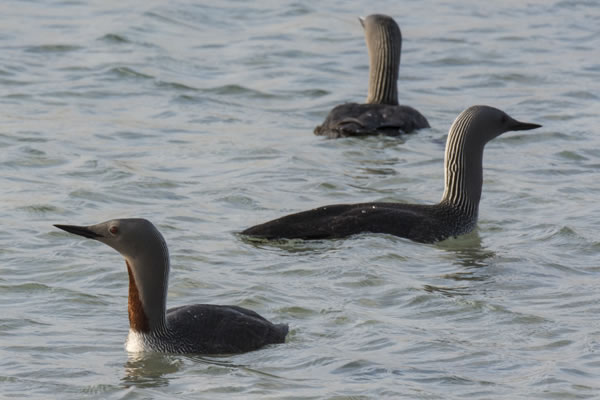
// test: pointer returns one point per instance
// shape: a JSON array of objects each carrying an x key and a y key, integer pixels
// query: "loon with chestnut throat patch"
[
  {"x": 381, "y": 114},
  {"x": 198, "y": 328},
  {"x": 454, "y": 215}
]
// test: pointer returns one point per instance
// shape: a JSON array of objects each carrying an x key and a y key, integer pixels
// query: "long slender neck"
[
  {"x": 148, "y": 282},
  {"x": 384, "y": 44},
  {"x": 463, "y": 169}
]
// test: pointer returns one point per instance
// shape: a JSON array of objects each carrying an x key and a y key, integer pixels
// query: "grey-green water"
[{"x": 200, "y": 117}]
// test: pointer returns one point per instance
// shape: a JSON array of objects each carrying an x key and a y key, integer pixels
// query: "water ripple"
[{"x": 199, "y": 117}]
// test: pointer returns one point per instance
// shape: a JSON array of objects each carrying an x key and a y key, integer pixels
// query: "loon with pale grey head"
[
  {"x": 198, "y": 328},
  {"x": 381, "y": 114},
  {"x": 454, "y": 215}
]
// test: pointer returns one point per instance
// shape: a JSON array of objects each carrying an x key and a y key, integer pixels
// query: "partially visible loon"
[
  {"x": 381, "y": 114},
  {"x": 454, "y": 215},
  {"x": 198, "y": 328}
]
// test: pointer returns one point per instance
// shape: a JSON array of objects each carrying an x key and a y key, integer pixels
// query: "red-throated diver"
[
  {"x": 198, "y": 328},
  {"x": 454, "y": 215},
  {"x": 381, "y": 114}
]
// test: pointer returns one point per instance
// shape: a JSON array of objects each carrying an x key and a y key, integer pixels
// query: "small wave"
[
  {"x": 128, "y": 72},
  {"x": 115, "y": 38},
  {"x": 53, "y": 48},
  {"x": 40, "y": 209},
  {"x": 238, "y": 90},
  {"x": 581, "y": 94}
]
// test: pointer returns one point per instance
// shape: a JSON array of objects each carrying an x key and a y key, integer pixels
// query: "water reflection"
[
  {"x": 467, "y": 253},
  {"x": 291, "y": 245},
  {"x": 153, "y": 369},
  {"x": 150, "y": 369}
]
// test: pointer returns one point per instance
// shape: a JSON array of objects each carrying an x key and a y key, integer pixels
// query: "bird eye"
[
  {"x": 504, "y": 119},
  {"x": 114, "y": 230}
]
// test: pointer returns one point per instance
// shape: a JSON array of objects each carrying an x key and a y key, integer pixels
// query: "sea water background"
[{"x": 199, "y": 117}]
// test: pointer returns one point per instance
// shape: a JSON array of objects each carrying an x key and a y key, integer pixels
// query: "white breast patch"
[{"x": 136, "y": 342}]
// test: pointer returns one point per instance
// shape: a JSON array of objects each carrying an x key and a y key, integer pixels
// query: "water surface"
[{"x": 199, "y": 118}]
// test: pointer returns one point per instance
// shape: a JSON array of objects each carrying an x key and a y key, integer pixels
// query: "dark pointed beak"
[
  {"x": 523, "y": 126},
  {"x": 79, "y": 230},
  {"x": 362, "y": 21}
]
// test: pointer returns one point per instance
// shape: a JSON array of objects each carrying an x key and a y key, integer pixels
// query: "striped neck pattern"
[
  {"x": 149, "y": 275},
  {"x": 463, "y": 172},
  {"x": 384, "y": 43}
]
